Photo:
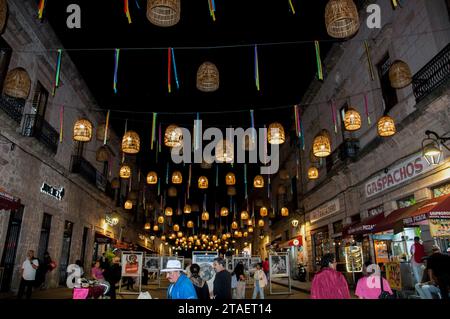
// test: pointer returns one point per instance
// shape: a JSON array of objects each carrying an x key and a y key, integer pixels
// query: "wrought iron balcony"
[
  {"x": 12, "y": 107},
  {"x": 432, "y": 75},
  {"x": 82, "y": 167},
  {"x": 348, "y": 150},
  {"x": 35, "y": 126}
]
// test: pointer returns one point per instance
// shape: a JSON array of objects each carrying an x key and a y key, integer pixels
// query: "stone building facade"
[{"x": 417, "y": 33}]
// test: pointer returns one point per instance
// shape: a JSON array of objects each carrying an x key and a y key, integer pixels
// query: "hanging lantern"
[
  {"x": 163, "y": 237},
  {"x": 82, "y": 131},
  {"x": 224, "y": 152},
  {"x": 176, "y": 227},
  {"x": 147, "y": 226},
  {"x": 284, "y": 212},
  {"x": 202, "y": 182},
  {"x": 205, "y": 216},
  {"x": 152, "y": 178},
  {"x": 400, "y": 75},
  {"x": 163, "y": 13},
  {"x": 249, "y": 143},
  {"x": 261, "y": 223},
  {"x": 168, "y": 211},
  {"x": 244, "y": 215},
  {"x": 190, "y": 224},
  {"x": 313, "y": 173},
  {"x": 228, "y": 235},
  {"x": 173, "y": 137},
  {"x": 250, "y": 229},
  {"x": 207, "y": 77},
  {"x": 235, "y": 233},
  {"x": 102, "y": 154},
  {"x": 275, "y": 134},
  {"x": 386, "y": 126},
  {"x": 341, "y": 18},
  {"x": 322, "y": 144},
  {"x": 131, "y": 143},
  {"x": 224, "y": 212},
  {"x": 239, "y": 235},
  {"x": 281, "y": 190},
  {"x": 156, "y": 227},
  {"x": 231, "y": 191},
  {"x": 224, "y": 237},
  {"x": 128, "y": 205},
  {"x": 214, "y": 238},
  {"x": 161, "y": 220},
  {"x": 125, "y": 171},
  {"x": 230, "y": 179},
  {"x": 187, "y": 209},
  {"x": 249, "y": 222},
  {"x": 245, "y": 234},
  {"x": 101, "y": 130},
  {"x": 17, "y": 84},
  {"x": 352, "y": 120},
  {"x": 179, "y": 234},
  {"x": 177, "y": 177},
  {"x": 115, "y": 183},
  {"x": 263, "y": 211},
  {"x": 172, "y": 192},
  {"x": 234, "y": 225},
  {"x": 258, "y": 181}
]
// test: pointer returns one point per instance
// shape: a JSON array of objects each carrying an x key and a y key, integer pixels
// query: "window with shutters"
[
  {"x": 40, "y": 99},
  {"x": 389, "y": 94}
]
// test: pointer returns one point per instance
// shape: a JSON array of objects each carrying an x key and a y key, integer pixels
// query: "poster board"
[
  {"x": 354, "y": 259},
  {"x": 253, "y": 262},
  {"x": 381, "y": 251},
  {"x": 229, "y": 263},
  {"x": 132, "y": 264},
  {"x": 205, "y": 260},
  {"x": 279, "y": 270},
  {"x": 152, "y": 264},
  {"x": 244, "y": 260},
  {"x": 393, "y": 275}
]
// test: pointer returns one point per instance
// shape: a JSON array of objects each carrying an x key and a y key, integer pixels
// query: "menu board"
[
  {"x": 354, "y": 258},
  {"x": 381, "y": 251},
  {"x": 393, "y": 275},
  {"x": 439, "y": 227}
]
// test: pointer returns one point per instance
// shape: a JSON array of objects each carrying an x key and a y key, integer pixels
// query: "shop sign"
[
  {"x": 53, "y": 191},
  {"x": 422, "y": 217},
  {"x": 393, "y": 275},
  {"x": 325, "y": 210},
  {"x": 396, "y": 175},
  {"x": 376, "y": 210}
]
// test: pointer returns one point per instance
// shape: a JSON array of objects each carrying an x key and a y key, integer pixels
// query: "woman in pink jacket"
[{"x": 329, "y": 283}]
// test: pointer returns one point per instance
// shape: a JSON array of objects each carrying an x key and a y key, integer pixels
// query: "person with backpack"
[{"x": 417, "y": 255}]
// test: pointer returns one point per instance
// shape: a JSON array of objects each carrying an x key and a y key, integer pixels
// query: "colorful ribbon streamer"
[
  {"x": 137, "y": 4},
  {"x": 175, "y": 68},
  {"x": 212, "y": 9},
  {"x": 126, "y": 128},
  {"x": 169, "y": 69},
  {"x": 252, "y": 122},
  {"x": 333, "y": 114},
  {"x": 319, "y": 61},
  {"x": 61, "y": 123},
  {"x": 217, "y": 175},
  {"x": 41, "y": 9},
  {"x": 366, "y": 105},
  {"x": 116, "y": 69},
  {"x": 160, "y": 138},
  {"x": 105, "y": 138},
  {"x": 245, "y": 180},
  {"x": 256, "y": 69},
  {"x": 292, "y": 7},
  {"x": 126, "y": 9},
  {"x": 58, "y": 71},
  {"x": 153, "y": 128},
  {"x": 395, "y": 3},
  {"x": 369, "y": 60},
  {"x": 189, "y": 180},
  {"x": 167, "y": 174},
  {"x": 301, "y": 130}
]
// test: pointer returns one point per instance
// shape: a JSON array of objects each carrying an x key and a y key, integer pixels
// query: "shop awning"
[
  {"x": 363, "y": 227},
  {"x": 8, "y": 202},
  {"x": 436, "y": 208},
  {"x": 296, "y": 241}
]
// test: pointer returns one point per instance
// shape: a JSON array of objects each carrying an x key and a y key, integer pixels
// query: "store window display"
[{"x": 322, "y": 245}]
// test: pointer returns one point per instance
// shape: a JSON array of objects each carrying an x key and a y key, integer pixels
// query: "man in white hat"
[{"x": 181, "y": 286}]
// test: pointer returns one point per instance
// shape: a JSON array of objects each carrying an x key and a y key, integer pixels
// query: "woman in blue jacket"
[{"x": 181, "y": 286}]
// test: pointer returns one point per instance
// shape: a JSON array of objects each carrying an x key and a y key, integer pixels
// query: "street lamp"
[{"x": 432, "y": 147}]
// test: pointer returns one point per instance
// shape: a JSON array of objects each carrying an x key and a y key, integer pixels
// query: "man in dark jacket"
[
  {"x": 438, "y": 267},
  {"x": 113, "y": 275},
  {"x": 222, "y": 282}
]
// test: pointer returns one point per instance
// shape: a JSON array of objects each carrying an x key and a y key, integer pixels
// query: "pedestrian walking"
[
  {"x": 180, "y": 285},
  {"x": 265, "y": 267},
  {"x": 222, "y": 281},
  {"x": 329, "y": 283},
  {"x": 28, "y": 271},
  {"x": 200, "y": 285},
  {"x": 112, "y": 276},
  {"x": 417, "y": 253},
  {"x": 260, "y": 282},
  {"x": 238, "y": 281},
  {"x": 369, "y": 286}
]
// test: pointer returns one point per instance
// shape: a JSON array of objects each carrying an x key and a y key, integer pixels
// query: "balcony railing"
[
  {"x": 35, "y": 126},
  {"x": 12, "y": 107},
  {"x": 432, "y": 75},
  {"x": 348, "y": 150}
]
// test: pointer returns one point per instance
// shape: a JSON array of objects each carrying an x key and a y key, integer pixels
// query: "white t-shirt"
[{"x": 29, "y": 273}]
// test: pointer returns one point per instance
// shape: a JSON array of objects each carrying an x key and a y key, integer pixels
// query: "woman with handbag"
[
  {"x": 238, "y": 281},
  {"x": 372, "y": 286}
]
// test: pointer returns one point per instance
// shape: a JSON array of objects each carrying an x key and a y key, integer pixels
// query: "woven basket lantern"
[
  {"x": 168, "y": 211},
  {"x": 244, "y": 215},
  {"x": 180, "y": 234},
  {"x": 164, "y": 13},
  {"x": 82, "y": 131},
  {"x": 263, "y": 211},
  {"x": 147, "y": 226},
  {"x": 101, "y": 129},
  {"x": 115, "y": 183},
  {"x": 161, "y": 220},
  {"x": 231, "y": 191},
  {"x": 102, "y": 154},
  {"x": 352, "y": 120},
  {"x": 3, "y": 14},
  {"x": 125, "y": 172},
  {"x": 275, "y": 134},
  {"x": 284, "y": 212},
  {"x": 386, "y": 126},
  {"x": 258, "y": 181},
  {"x": 313, "y": 173},
  {"x": 176, "y": 227},
  {"x": 207, "y": 77},
  {"x": 322, "y": 145},
  {"x": 190, "y": 224},
  {"x": 400, "y": 75},
  {"x": 224, "y": 152},
  {"x": 172, "y": 192},
  {"x": 203, "y": 182},
  {"x": 230, "y": 179},
  {"x": 173, "y": 136},
  {"x": 234, "y": 225},
  {"x": 341, "y": 18},
  {"x": 17, "y": 84},
  {"x": 177, "y": 177},
  {"x": 152, "y": 178},
  {"x": 261, "y": 223},
  {"x": 224, "y": 212},
  {"x": 131, "y": 143},
  {"x": 187, "y": 209},
  {"x": 128, "y": 205},
  {"x": 205, "y": 216}
]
